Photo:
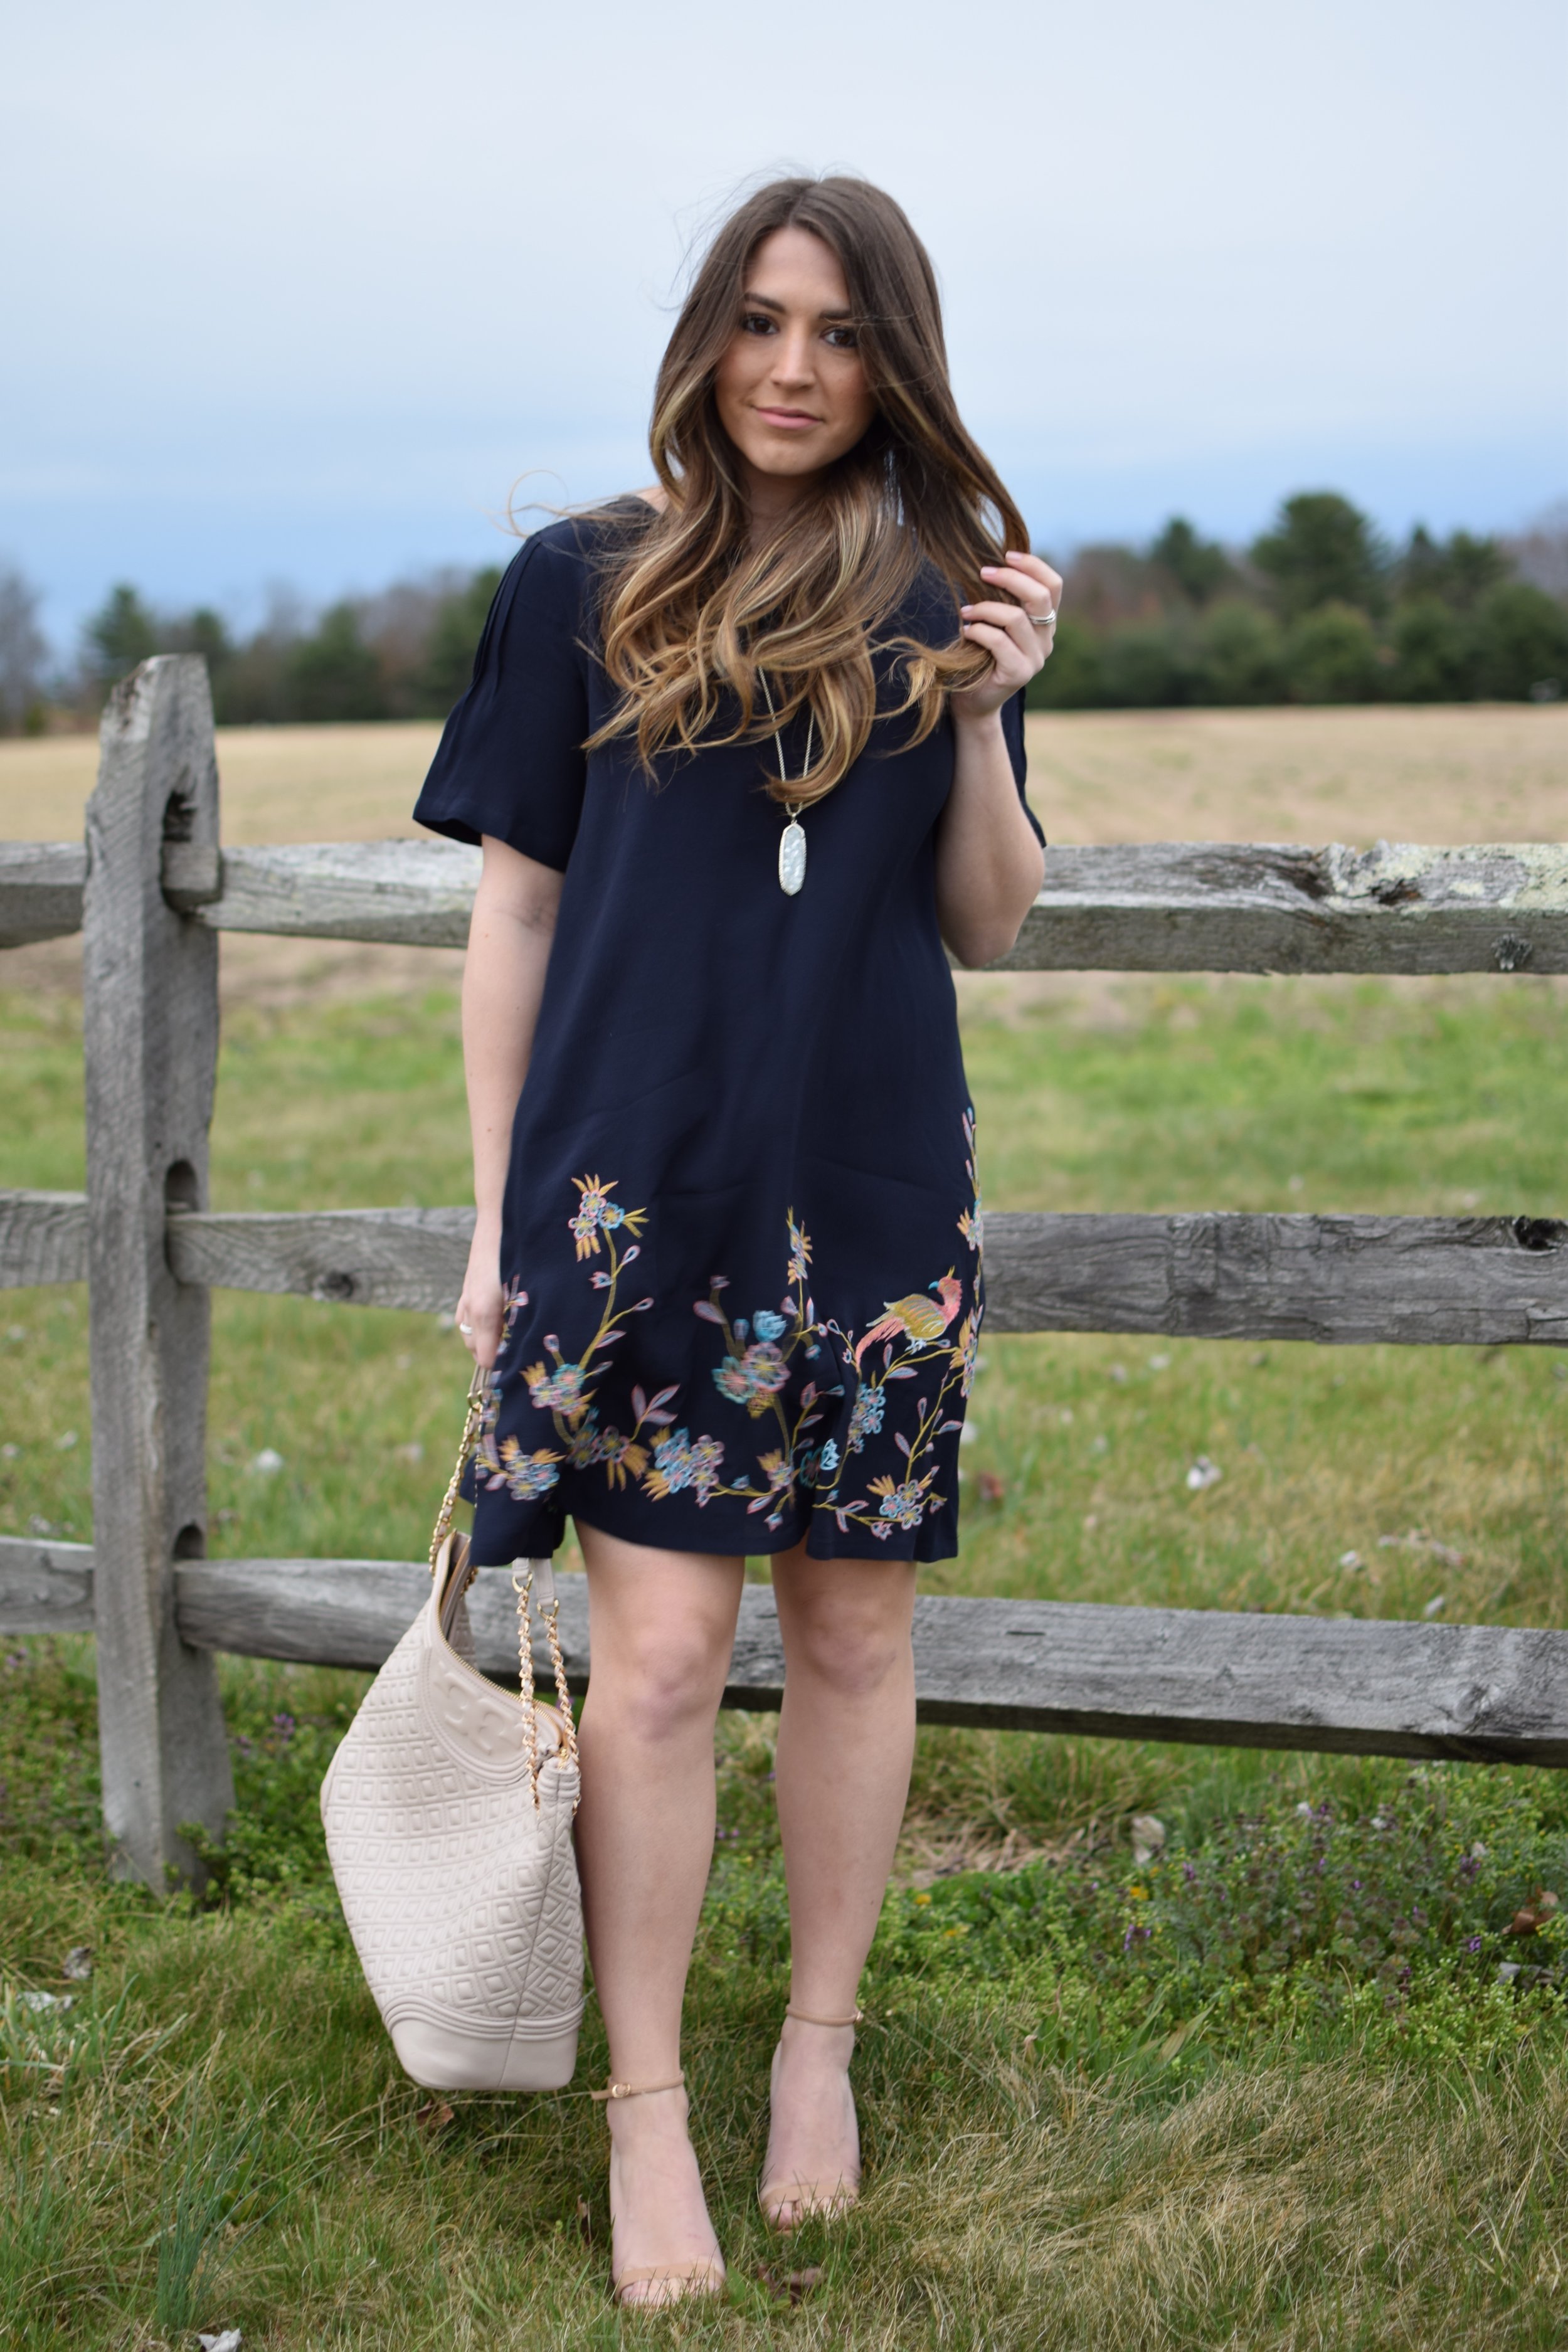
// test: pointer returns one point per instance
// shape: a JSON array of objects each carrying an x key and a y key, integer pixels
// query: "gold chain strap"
[
  {"x": 478, "y": 1389},
  {"x": 551, "y": 1611},
  {"x": 550, "y": 1603},
  {"x": 522, "y": 1586}
]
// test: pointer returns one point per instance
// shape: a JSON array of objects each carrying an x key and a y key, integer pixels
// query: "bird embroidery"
[{"x": 919, "y": 1318}]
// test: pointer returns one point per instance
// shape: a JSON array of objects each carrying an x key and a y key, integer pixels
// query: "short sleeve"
[
  {"x": 510, "y": 761},
  {"x": 1013, "y": 730}
]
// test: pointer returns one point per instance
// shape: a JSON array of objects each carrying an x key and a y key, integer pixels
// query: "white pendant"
[{"x": 792, "y": 857}]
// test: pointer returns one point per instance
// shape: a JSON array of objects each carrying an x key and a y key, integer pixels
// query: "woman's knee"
[
  {"x": 656, "y": 1682},
  {"x": 852, "y": 1650}
]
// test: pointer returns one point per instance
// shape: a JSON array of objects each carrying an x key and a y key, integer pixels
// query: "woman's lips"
[{"x": 790, "y": 420}]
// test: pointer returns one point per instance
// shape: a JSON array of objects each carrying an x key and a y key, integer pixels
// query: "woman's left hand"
[{"x": 1018, "y": 636}]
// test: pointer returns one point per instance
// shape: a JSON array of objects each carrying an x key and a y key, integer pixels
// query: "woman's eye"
[
  {"x": 756, "y": 322},
  {"x": 843, "y": 339}
]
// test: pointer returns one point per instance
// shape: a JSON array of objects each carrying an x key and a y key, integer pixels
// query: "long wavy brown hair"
[{"x": 691, "y": 612}]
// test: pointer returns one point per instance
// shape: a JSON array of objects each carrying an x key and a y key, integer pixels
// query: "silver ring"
[
  {"x": 466, "y": 1328},
  {"x": 1047, "y": 620}
]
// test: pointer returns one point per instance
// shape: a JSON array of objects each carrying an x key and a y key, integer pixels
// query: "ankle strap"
[
  {"x": 806, "y": 2018},
  {"x": 636, "y": 2090}
]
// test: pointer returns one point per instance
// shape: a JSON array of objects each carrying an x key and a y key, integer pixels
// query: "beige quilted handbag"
[{"x": 449, "y": 1817}]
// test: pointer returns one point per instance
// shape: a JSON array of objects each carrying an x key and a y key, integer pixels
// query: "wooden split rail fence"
[{"x": 152, "y": 888}]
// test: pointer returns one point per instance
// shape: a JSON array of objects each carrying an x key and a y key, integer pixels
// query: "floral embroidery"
[
  {"x": 566, "y": 1390},
  {"x": 597, "y": 1213},
  {"x": 866, "y": 1416},
  {"x": 752, "y": 1379},
  {"x": 755, "y": 1371},
  {"x": 972, "y": 1224},
  {"x": 680, "y": 1463},
  {"x": 557, "y": 1392},
  {"x": 912, "y": 1332},
  {"x": 902, "y": 1505},
  {"x": 913, "y": 1339},
  {"x": 527, "y": 1475}
]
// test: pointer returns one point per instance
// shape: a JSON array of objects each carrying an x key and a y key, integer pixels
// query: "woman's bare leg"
[
  {"x": 661, "y": 1627},
  {"x": 845, "y": 1748}
]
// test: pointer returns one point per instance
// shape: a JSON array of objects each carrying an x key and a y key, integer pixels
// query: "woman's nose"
[{"x": 792, "y": 357}]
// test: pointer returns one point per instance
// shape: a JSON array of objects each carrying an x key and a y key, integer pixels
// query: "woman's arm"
[
  {"x": 509, "y": 934},
  {"x": 989, "y": 865}
]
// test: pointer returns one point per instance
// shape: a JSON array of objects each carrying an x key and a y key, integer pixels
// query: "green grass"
[{"x": 1293, "y": 2082}]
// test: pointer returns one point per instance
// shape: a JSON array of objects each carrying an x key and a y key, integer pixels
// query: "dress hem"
[{"x": 821, "y": 1543}]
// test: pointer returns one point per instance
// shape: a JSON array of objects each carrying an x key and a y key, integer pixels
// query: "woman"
[{"x": 741, "y": 761}]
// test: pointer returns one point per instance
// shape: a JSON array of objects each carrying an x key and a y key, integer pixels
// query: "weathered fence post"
[{"x": 150, "y": 989}]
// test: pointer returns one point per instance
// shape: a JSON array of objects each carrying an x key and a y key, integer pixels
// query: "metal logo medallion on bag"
[{"x": 448, "y": 1815}]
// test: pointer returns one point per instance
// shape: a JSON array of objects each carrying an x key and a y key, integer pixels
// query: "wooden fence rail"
[
  {"x": 150, "y": 890},
  {"x": 1151, "y": 907},
  {"x": 1481, "y": 1282},
  {"x": 1493, "y": 1693}
]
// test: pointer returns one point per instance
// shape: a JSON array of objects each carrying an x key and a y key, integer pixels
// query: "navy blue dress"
[{"x": 741, "y": 1234}]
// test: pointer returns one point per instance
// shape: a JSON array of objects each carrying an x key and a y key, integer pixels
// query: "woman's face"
[{"x": 791, "y": 389}]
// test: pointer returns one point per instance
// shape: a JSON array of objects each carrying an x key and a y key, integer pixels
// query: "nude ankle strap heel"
[
  {"x": 637, "y": 2090},
  {"x": 692, "y": 2278},
  {"x": 702, "y": 2277},
  {"x": 824, "y": 2199}
]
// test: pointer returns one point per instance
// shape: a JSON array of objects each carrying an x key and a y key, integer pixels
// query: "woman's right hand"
[{"x": 480, "y": 1308}]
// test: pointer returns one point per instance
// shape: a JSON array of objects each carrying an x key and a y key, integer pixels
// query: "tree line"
[
  {"x": 1319, "y": 608},
  {"x": 404, "y": 653}
]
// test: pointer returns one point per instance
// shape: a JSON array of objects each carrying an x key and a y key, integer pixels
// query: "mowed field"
[
  {"x": 1458, "y": 773},
  {"x": 1462, "y": 773},
  {"x": 1293, "y": 2080}
]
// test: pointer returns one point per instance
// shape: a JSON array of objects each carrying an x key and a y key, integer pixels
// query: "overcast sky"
[{"x": 295, "y": 292}]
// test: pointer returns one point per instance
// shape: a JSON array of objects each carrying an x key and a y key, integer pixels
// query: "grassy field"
[
  {"x": 1291, "y": 2081},
  {"x": 1467, "y": 772}
]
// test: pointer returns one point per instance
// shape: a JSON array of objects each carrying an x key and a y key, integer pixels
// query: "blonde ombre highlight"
[{"x": 692, "y": 614}]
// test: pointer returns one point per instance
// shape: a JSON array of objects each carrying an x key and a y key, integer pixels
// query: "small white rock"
[
  {"x": 40, "y": 2000},
  {"x": 222, "y": 2339},
  {"x": 1435, "y": 1606},
  {"x": 1203, "y": 1473},
  {"x": 77, "y": 1966},
  {"x": 1148, "y": 1837},
  {"x": 267, "y": 1463},
  {"x": 1350, "y": 1560}
]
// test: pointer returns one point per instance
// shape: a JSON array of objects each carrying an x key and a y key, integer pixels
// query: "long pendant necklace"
[{"x": 792, "y": 841}]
